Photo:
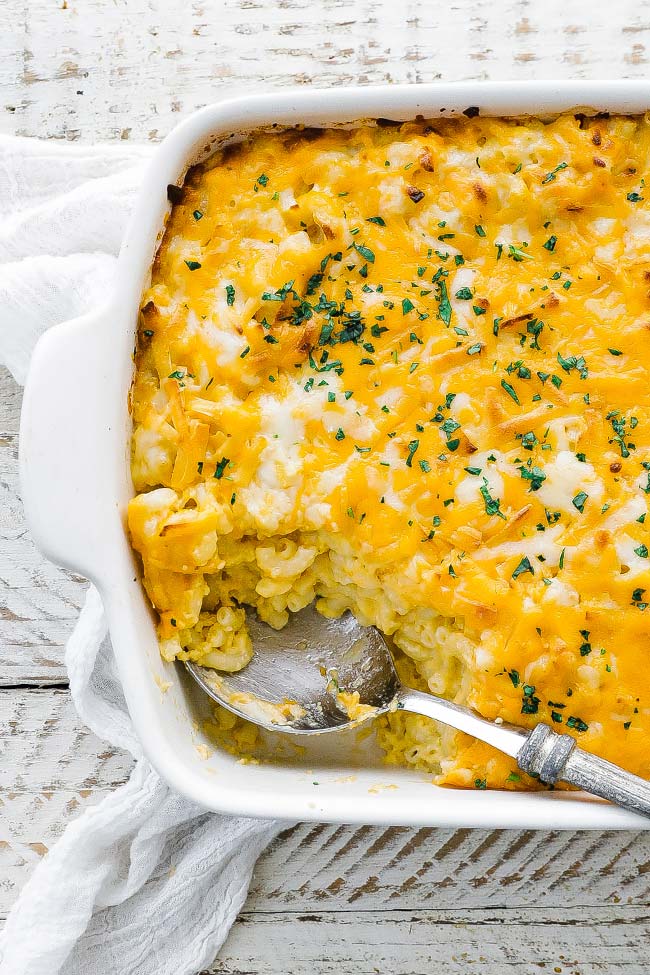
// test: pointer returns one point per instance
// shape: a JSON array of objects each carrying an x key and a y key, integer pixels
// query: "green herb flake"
[
  {"x": 576, "y": 723},
  {"x": 517, "y": 254},
  {"x": 412, "y": 448},
  {"x": 444, "y": 305},
  {"x": 230, "y": 295},
  {"x": 550, "y": 177},
  {"x": 529, "y": 702},
  {"x": 365, "y": 253},
  {"x": 193, "y": 265},
  {"x": 579, "y": 501},
  {"x": 221, "y": 466},
  {"x": 549, "y": 245},
  {"x": 492, "y": 505},
  {"x": 510, "y": 391},
  {"x": 524, "y": 566}
]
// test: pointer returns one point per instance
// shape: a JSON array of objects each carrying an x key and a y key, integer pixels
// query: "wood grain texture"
[
  {"x": 129, "y": 70},
  {"x": 324, "y": 899},
  {"x": 339, "y": 898},
  {"x": 482, "y": 942},
  {"x": 39, "y": 602}
]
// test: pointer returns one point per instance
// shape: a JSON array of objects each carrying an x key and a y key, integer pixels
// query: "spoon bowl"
[{"x": 304, "y": 677}]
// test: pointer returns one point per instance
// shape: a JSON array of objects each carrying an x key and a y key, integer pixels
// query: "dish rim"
[{"x": 79, "y": 520}]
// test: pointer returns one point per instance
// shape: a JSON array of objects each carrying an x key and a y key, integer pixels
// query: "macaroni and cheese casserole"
[{"x": 405, "y": 370}]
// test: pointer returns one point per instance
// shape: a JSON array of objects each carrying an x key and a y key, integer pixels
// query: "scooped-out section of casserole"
[{"x": 405, "y": 371}]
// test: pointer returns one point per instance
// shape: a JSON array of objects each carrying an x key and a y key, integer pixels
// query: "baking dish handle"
[{"x": 67, "y": 469}]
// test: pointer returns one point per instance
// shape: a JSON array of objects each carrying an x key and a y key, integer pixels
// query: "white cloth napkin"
[{"x": 145, "y": 882}]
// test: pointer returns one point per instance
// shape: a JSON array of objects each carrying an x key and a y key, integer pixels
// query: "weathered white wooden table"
[{"x": 324, "y": 898}]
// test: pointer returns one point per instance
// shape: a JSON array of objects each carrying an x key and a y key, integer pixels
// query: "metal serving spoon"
[{"x": 300, "y": 679}]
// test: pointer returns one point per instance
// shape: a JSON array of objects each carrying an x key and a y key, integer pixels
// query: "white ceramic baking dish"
[{"x": 75, "y": 433}]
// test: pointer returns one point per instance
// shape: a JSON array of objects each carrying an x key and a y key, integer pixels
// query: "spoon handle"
[
  {"x": 555, "y": 758},
  {"x": 541, "y": 752}
]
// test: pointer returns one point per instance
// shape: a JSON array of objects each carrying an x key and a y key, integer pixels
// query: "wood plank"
[
  {"x": 458, "y": 942},
  {"x": 324, "y": 867},
  {"x": 52, "y": 767},
  {"x": 130, "y": 70},
  {"x": 11, "y": 396},
  {"x": 39, "y": 602}
]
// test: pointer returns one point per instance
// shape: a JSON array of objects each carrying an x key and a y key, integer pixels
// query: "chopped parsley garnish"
[
  {"x": 230, "y": 295},
  {"x": 193, "y": 265},
  {"x": 524, "y": 566},
  {"x": 365, "y": 253},
  {"x": 464, "y": 294},
  {"x": 529, "y": 703},
  {"x": 444, "y": 305},
  {"x": 407, "y": 306},
  {"x": 535, "y": 475},
  {"x": 378, "y": 220},
  {"x": 510, "y": 391},
  {"x": 492, "y": 505},
  {"x": 549, "y": 245},
  {"x": 553, "y": 174},
  {"x": 197, "y": 215},
  {"x": 479, "y": 230},
  {"x": 618, "y": 426},
  {"x": 221, "y": 466},
  {"x": 579, "y": 501},
  {"x": 412, "y": 448},
  {"x": 517, "y": 254},
  {"x": 574, "y": 362},
  {"x": 577, "y": 723}
]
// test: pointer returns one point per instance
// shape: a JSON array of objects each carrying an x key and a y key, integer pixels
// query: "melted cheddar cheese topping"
[{"x": 406, "y": 371}]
